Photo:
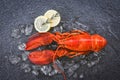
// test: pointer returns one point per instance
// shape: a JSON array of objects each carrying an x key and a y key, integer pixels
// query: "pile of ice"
[{"x": 22, "y": 29}]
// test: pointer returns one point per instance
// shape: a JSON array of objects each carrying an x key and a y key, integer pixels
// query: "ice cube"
[
  {"x": 49, "y": 74},
  {"x": 26, "y": 52},
  {"x": 14, "y": 59},
  {"x": 35, "y": 72},
  {"x": 72, "y": 69},
  {"x": 56, "y": 71},
  {"x": 83, "y": 62},
  {"x": 61, "y": 28},
  {"x": 25, "y": 67},
  {"x": 92, "y": 59},
  {"x": 21, "y": 46},
  {"x": 70, "y": 72},
  {"x": 15, "y": 33},
  {"x": 28, "y": 29},
  {"x": 81, "y": 76},
  {"x": 22, "y": 28},
  {"x": 53, "y": 72},
  {"x": 36, "y": 67},
  {"x": 75, "y": 75},
  {"x": 58, "y": 66},
  {"x": 5, "y": 57},
  {"x": 90, "y": 64},
  {"x": 46, "y": 69},
  {"x": 24, "y": 56},
  {"x": 68, "y": 64}
]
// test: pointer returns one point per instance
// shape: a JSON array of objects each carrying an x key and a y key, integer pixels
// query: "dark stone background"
[{"x": 97, "y": 14}]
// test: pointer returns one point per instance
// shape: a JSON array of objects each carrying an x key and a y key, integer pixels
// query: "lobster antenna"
[
  {"x": 59, "y": 69},
  {"x": 55, "y": 65},
  {"x": 55, "y": 53}
]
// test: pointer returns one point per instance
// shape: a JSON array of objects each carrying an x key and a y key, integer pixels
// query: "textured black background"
[{"x": 97, "y": 14}]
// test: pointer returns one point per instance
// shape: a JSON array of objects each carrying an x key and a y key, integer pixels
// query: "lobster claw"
[
  {"x": 41, "y": 57},
  {"x": 39, "y": 39}
]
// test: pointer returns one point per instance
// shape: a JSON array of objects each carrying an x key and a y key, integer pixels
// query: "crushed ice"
[
  {"x": 28, "y": 29},
  {"x": 21, "y": 46},
  {"x": 53, "y": 72},
  {"x": 75, "y": 75},
  {"x": 81, "y": 76},
  {"x": 24, "y": 55},
  {"x": 36, "y": 67},
  {"x": 22, "y": 28},
  {"x": 57, "y": 64},
  {"x": 72, "y": 69},
  {"x": 25, "y": 67},
  {"x": 15, "y": 33},
  {"x": 14, "y": 59},
  {"x": 46, "y": 69},
  {"x": 35, "y": 72}
]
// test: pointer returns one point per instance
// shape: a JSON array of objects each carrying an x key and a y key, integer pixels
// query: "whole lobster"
[{"x": 70, "y": 44}]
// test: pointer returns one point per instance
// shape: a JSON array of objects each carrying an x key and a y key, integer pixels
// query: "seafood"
[{"x": 70, "y": 44}]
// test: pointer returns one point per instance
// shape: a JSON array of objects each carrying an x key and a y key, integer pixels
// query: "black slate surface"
[{"x": 97, "y": 14}]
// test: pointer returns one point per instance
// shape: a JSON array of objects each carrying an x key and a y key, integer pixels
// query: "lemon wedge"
[
  {"x": 41, "y": 24},
  {"x": 53, "y": 17}
]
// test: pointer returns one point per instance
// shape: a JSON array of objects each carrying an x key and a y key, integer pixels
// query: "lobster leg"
[
  {"x": 61, "y": 36},
  {"x": 65, "y": 35},
  {"x": 59, "y": 69},
  {"x": 80, "y": 32},
  {"x": 59, "y": 53},
  {"x": 74, "y": 54}
]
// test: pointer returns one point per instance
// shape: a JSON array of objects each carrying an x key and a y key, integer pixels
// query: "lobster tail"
[{"x": 98, "y": 42}]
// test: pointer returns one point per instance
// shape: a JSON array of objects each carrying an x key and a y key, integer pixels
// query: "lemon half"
[
  {"x": 41, "y": 24},
  {"x": 53, "y": 17}
]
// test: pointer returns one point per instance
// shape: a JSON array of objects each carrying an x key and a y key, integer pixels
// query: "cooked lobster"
[{"x": 70, "y": 44}]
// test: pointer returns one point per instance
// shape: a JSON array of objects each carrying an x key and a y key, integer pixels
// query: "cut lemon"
[
  {"x": 41, "y": 24},
  {"x": 53, "y": 17}
]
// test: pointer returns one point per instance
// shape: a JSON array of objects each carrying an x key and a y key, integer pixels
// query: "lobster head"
[{"x": 98, "y": 42}]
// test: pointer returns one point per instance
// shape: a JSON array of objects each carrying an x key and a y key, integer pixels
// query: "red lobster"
[{"x": 70, "y": 44}]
